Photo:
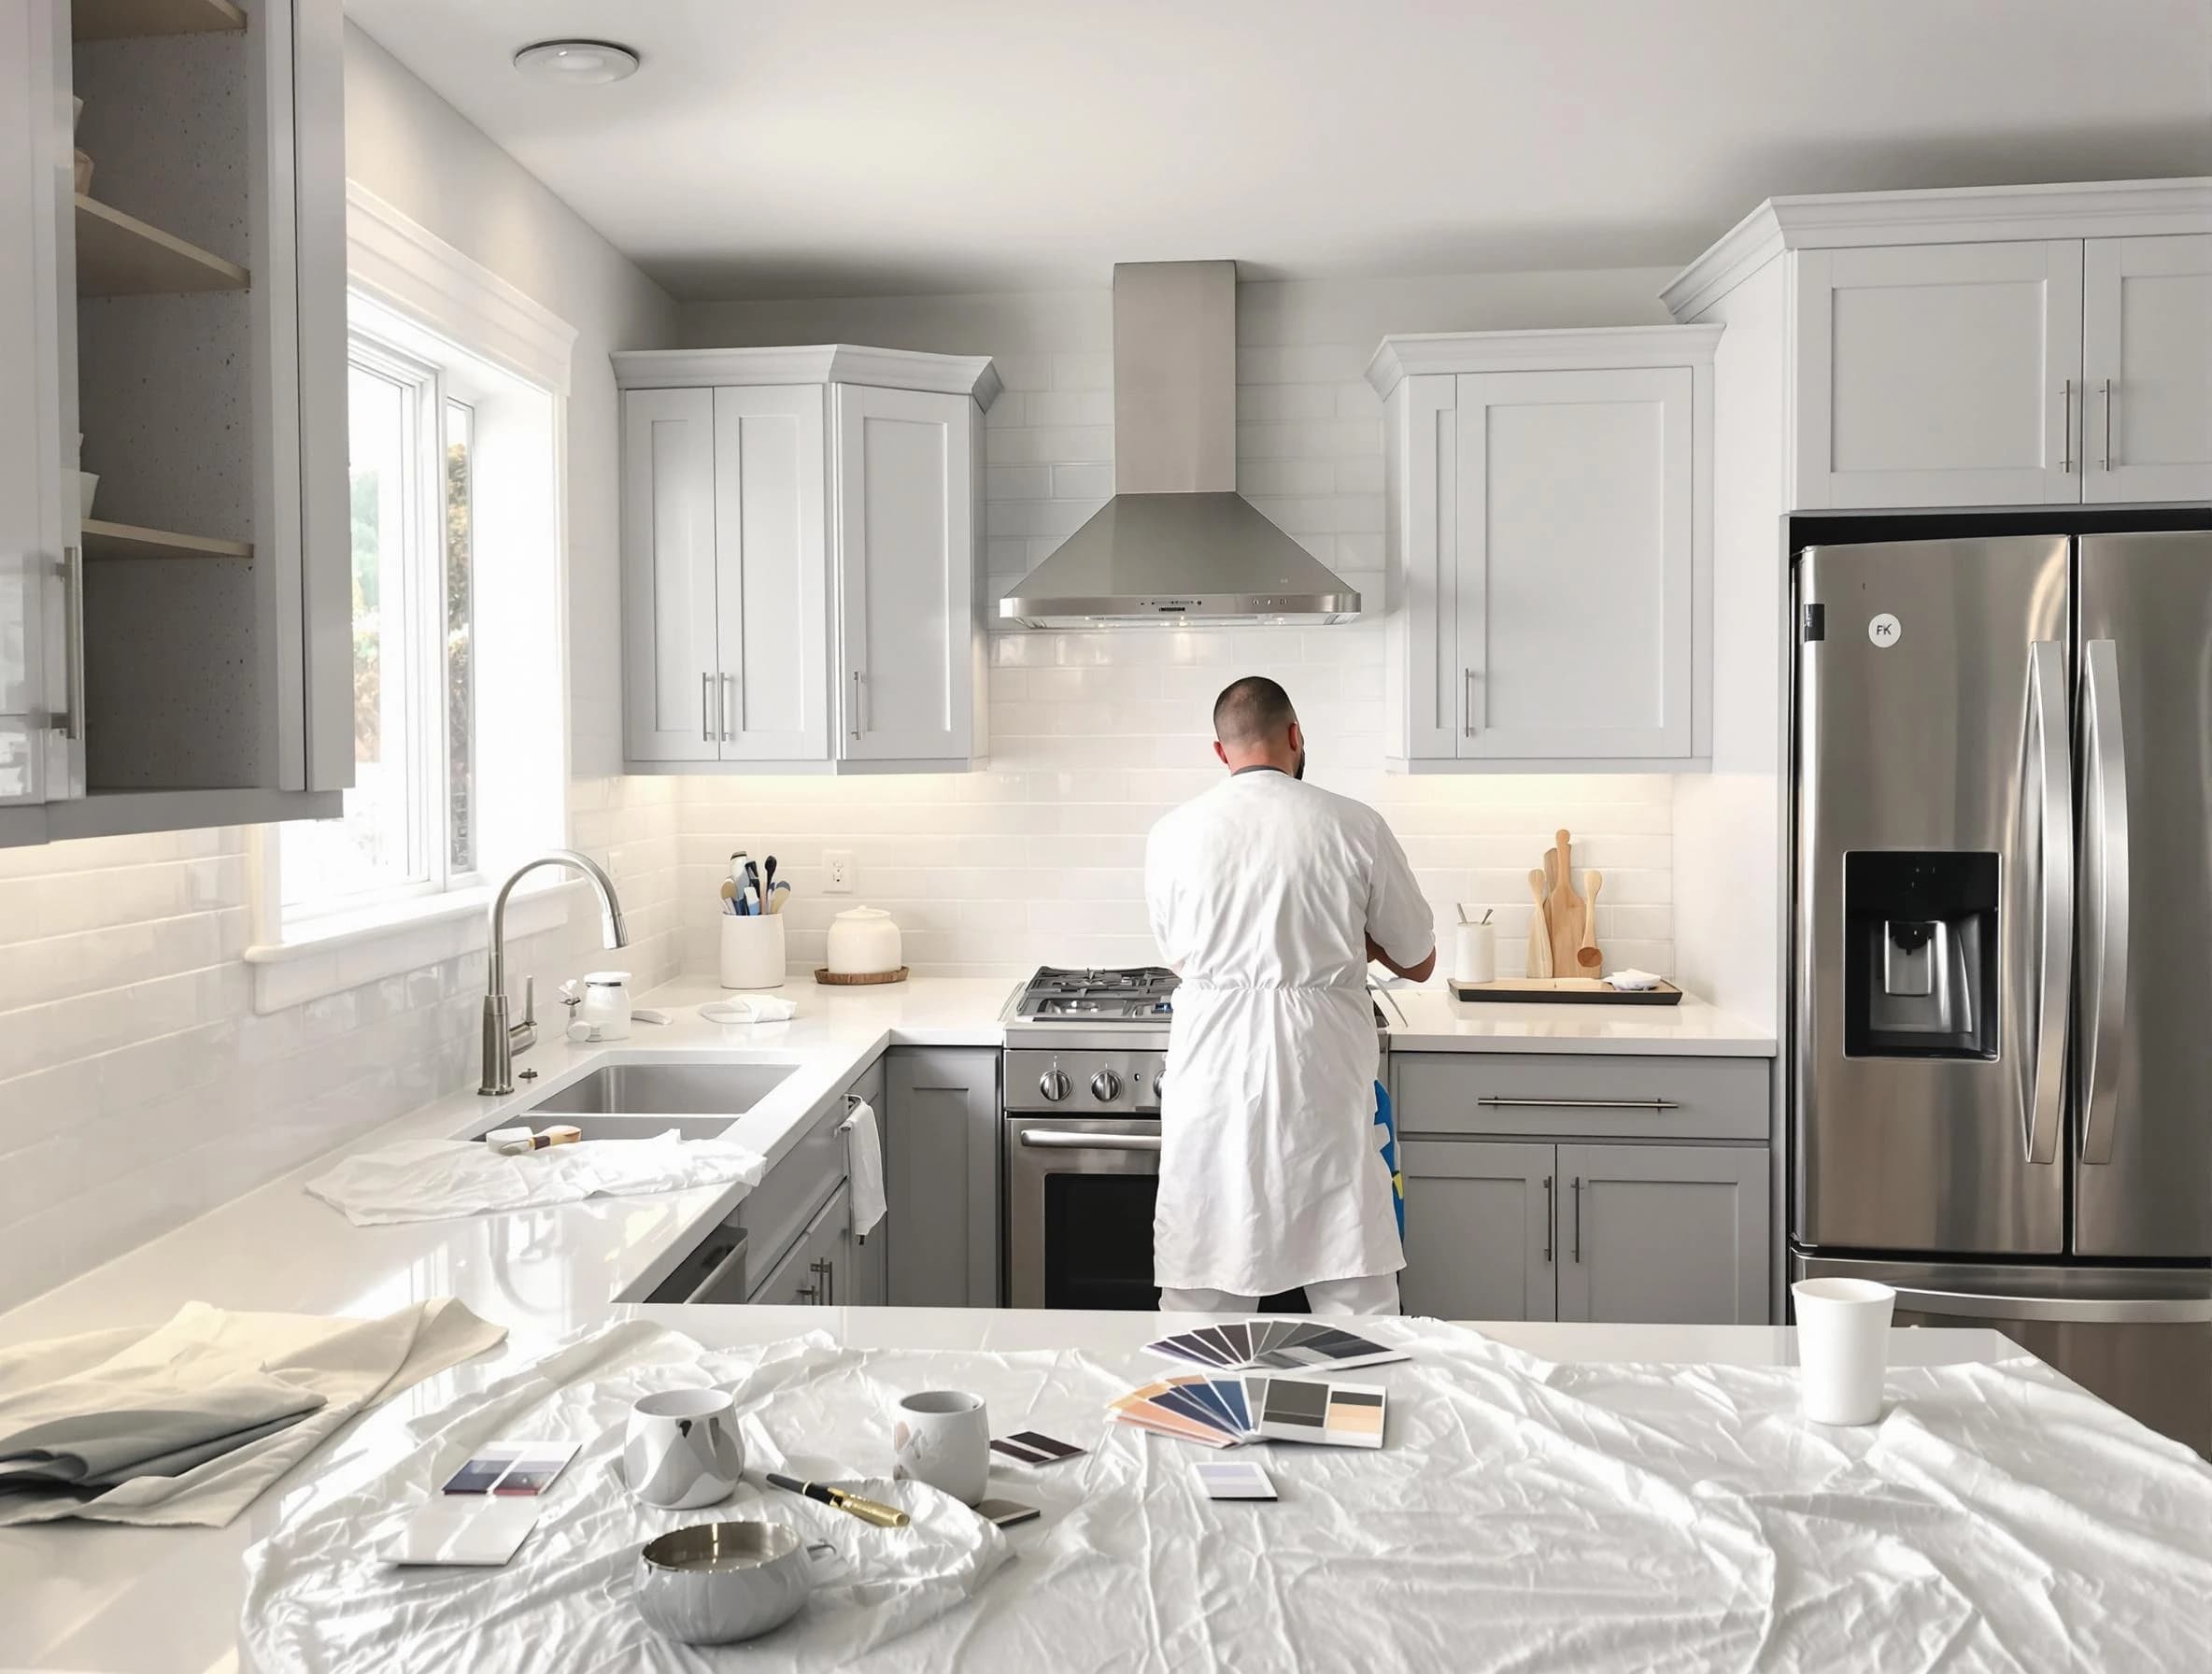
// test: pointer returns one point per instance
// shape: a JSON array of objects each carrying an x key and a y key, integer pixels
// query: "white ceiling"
[{"x": 775, "y": 147}]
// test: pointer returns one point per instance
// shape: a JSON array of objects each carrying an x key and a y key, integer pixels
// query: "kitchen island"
[{"x": 1588, "y": 1415}]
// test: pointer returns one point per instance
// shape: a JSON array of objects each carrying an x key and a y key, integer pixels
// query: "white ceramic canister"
[
  {"x": 752, "y": 950},
  {"x": 863, "y": 941},
  {"x": 1474, "y": 953},
  {"x": 607, "y": 1004}
]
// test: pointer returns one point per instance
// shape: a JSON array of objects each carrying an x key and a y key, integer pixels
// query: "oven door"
[{"x": 1079, "y": 1202}]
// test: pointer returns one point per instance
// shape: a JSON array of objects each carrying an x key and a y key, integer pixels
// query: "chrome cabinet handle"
[
  {"x": 2066, "y": 426},
  {"x": 2105, "y": 855},
  {"x": 856, "y": 702},
  {"x": 828, "y": 1274},
  {"x": 706, "y": 705},
  {"x": 73, "y": 640},
  {"x": 2042, "y": 1093},
  {"x": 1467, "y": 692},
  {"x": 807, "y": 1294},
  {"x": 1502, "y": 1103},
  {"x": 1551, "y": 1220},
  {"x": 2105, "y": 463},
  {"x": 1089, "y": 1141},
  {"x": 2087, "y": 1311},
  {"x": 1578, "y": 1217},
  {"x": 728, "y": 689}
]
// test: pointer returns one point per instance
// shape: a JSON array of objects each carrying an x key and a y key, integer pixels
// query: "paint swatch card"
[
  {"x": 1307, "y": 1409},
  {"x": 483, "y": 1532},
  {"x": 516, "y": 1468},
  {"x": 1278, "y": 1345},
  {"x": 1187, "y": 1407},
  {"x": 1234, "y": 1479},
  {"x": 1034, "y": 1447}
]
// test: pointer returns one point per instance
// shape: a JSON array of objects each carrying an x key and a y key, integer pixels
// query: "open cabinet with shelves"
[{"x": 185, "y": 652}]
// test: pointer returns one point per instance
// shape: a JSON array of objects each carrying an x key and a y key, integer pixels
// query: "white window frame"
[{"x": 412, "y": 295}]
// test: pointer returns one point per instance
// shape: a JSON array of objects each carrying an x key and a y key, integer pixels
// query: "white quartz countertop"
[
  {"x": 1427, "y": 1019},
  {"x": 91, "y": 1596}
]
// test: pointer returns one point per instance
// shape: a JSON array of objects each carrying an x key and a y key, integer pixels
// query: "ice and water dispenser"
[{"x": 1920, "y": 954}]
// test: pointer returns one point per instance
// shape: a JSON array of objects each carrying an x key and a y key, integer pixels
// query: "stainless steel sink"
[
  {"x": 627, "y": 1127},
  {"x": 723, "y": 1090}
]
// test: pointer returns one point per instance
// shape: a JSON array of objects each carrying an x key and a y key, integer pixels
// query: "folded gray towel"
[{"x": 122, "y": 1419}]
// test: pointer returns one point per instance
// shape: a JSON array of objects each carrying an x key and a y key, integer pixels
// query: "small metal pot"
[{"x": 715, "y": 1583}]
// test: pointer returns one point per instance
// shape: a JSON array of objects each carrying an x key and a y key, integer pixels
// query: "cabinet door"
[
  {"x": 941, "y": 1168},
  {"x": 1939, "y": 375},
  {"x": 806, "y": 1276},
  {"x": 670, "y": 665},
  {"x": 2146, "y": 368},
  {"x": 1664, "y": 1234},
  {"x": 772, "y": 574},
  {"x": 1425, "y": 700},
  {"x": 1576, "y": 564},
  {"x": 1481, "y": 1232},
  {"x": 905, "y": 568}
]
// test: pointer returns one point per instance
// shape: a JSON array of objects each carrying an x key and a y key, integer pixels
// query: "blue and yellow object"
[{"x": 1388, "y": 1145}]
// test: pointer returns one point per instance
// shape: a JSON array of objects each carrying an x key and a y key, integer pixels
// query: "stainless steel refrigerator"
[{"x": 2002, "y": 1030}]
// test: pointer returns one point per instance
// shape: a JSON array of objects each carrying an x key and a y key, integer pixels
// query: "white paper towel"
[{"x": 864, "y": 1167}]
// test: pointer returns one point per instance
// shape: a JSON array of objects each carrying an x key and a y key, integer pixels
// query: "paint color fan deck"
[
  {"x": 1225, "y": 1410},
  {"x": 1273, "y": 1346}
]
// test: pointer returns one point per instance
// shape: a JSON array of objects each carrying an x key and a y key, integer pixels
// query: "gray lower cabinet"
[
  {"x": 1668, "y": 1233},
  {"x": 807, "y": 1276},
  {"x": 1479, "y": 1230},
  {"x": 940, "y": 1174}
]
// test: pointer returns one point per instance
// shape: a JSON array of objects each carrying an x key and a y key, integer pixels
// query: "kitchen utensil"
[
  {"x": 1462, "y": 918},
  {"x": 681, "y": 1449},
  {"x": 1587, "y": 955},
  {"x": 1488, "y": 914},
  {"x": 1540, "y": 929},
  {"x": 1843, "y": 1327},
  {"x": 863, "y": 941},
  {"x": 1564, "y": 909},
  {"x": 754, "y": 894},
  {"x": 738, "y": 862},
  {"x": 942, "y": 1437},
  {"x": 767, "y": 875},
  {"x": 830, "y": 979},
  {"x": 751, "y": 954},
  {"x": 777, "y": 895},
  {"x": 715, "y": 1583},
  {"x": 867, "y": 1511},
  {"x": 726, "y": 890}
]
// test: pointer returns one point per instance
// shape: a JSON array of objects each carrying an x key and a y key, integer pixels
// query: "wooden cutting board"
[{"x": 1564, "y": 911}]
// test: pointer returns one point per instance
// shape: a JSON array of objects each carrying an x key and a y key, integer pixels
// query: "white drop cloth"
[
  {"x": 317, "y": 1599},
  {"x": 1520, "y": 1516},
  {"x": 211, "y": 1367},
  {"x": 864, "y": 1167},
  {"x": 438, "y": 1179}
]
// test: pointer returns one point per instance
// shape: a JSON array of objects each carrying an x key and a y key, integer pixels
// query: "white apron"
[{"x": 1262, "y": 892}]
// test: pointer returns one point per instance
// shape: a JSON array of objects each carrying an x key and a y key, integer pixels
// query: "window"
[{"x": 408, "y": 825}]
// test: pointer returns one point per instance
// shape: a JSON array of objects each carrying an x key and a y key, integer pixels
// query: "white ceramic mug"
[
  {"x": 681, "y": 1449},
  {"x": 942, "y": 1437},
  {"x": 1843, "y": 1327}
]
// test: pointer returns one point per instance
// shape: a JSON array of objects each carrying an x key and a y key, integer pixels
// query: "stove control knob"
[
  {"x": 1105, "y": 1086},
  {"x": 1053, "y": 1085}
]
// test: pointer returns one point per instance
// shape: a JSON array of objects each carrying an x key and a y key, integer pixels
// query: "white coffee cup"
[
  {"x": 942, "y": 1437},
  {"x": 1474, "y": 953},
  {"x": 1843, "y": 1327},
  {"x": 681, "y": 1449}
]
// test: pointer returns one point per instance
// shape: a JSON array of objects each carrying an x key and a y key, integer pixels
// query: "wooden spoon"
[
  {"x": 1540, "y": 928},
  {"x": 1587, "y": 955}
]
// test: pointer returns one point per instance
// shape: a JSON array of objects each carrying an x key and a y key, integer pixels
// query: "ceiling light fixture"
[{"x": 577, "y": 64}]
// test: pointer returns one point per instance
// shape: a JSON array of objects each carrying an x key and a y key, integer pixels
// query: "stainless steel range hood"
[{"x": 1177, "y": 543}]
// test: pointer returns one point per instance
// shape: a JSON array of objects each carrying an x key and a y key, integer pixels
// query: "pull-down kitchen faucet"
[{"x": 501, "y": 1043}]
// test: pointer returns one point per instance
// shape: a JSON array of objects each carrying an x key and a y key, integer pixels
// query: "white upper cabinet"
[
  {"x": 1939, "y": 375},
  {"x": 799, "y": 559},
  {"x": 2146, "y": 368},
  {"x": 2000, "y": 347},
  {"x": 1546, "y": 531}
]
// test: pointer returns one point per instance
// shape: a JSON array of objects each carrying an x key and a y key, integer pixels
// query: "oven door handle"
[{"x": 1038, "y": 1140}]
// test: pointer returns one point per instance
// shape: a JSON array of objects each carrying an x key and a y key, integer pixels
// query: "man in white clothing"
[{"x": 1269, "y": 896}]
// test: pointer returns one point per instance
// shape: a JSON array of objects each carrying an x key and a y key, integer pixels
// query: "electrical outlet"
[{"x": 838, "y": 864}]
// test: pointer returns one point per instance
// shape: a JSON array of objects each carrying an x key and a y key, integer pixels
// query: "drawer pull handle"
[
  {"x": 1579, "y": 1103},
  {"x": 1551, "y": 1219}
]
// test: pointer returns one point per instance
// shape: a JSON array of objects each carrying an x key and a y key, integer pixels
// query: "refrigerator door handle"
[
  {"x": 2085, "y": 1311},
  {"x": 2104, "y": 897},
  {"x": 2047, "y": 768}
]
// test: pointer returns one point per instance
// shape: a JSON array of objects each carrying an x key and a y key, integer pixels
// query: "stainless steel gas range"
[{"x": 1086, "y": 1055}]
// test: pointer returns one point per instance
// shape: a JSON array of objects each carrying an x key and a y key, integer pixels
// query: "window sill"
[{"x": 329, "y": 956}]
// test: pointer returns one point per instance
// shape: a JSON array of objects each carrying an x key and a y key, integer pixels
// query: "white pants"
[{"x": 1375, "y": 1294}]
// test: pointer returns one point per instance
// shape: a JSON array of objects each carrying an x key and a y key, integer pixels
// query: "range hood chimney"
[{"x": 1177, "y": 543}]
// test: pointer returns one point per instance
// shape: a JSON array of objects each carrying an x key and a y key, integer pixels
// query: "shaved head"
[{"x": 1250, "y": 712}]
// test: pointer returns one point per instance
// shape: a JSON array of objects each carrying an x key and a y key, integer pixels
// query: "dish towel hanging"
[{"x": 864, "y": 1166}]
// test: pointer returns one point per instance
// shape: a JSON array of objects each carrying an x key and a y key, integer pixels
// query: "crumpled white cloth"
[
  {"x": 750, "y": 1008},
  {"x": 437, "y": 1180},
  {"x": 317, "y": 1599},
  {"x": 108, "y": 1390},
  {"x": 1520, "y": 1515},
  {"x": 864, "y": 1167}
]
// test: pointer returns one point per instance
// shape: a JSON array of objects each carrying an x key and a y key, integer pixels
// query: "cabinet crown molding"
[
  {"x": 1972, "y": 215},
  {"x": 972, "y": 376},
  {"x": 1581, "y": 347}
]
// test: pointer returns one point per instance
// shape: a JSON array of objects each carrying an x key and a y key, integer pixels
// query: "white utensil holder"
[{"x": 752, "y": 951}]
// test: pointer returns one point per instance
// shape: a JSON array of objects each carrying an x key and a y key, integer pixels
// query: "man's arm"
[{"x": 1419, "y": 972}]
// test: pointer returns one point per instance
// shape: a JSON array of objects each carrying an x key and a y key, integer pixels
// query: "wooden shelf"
[
  {"x": 124, "y": 540},
  {"x": 120, "y": 255},
  {"x": 129, "y": 20}
]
